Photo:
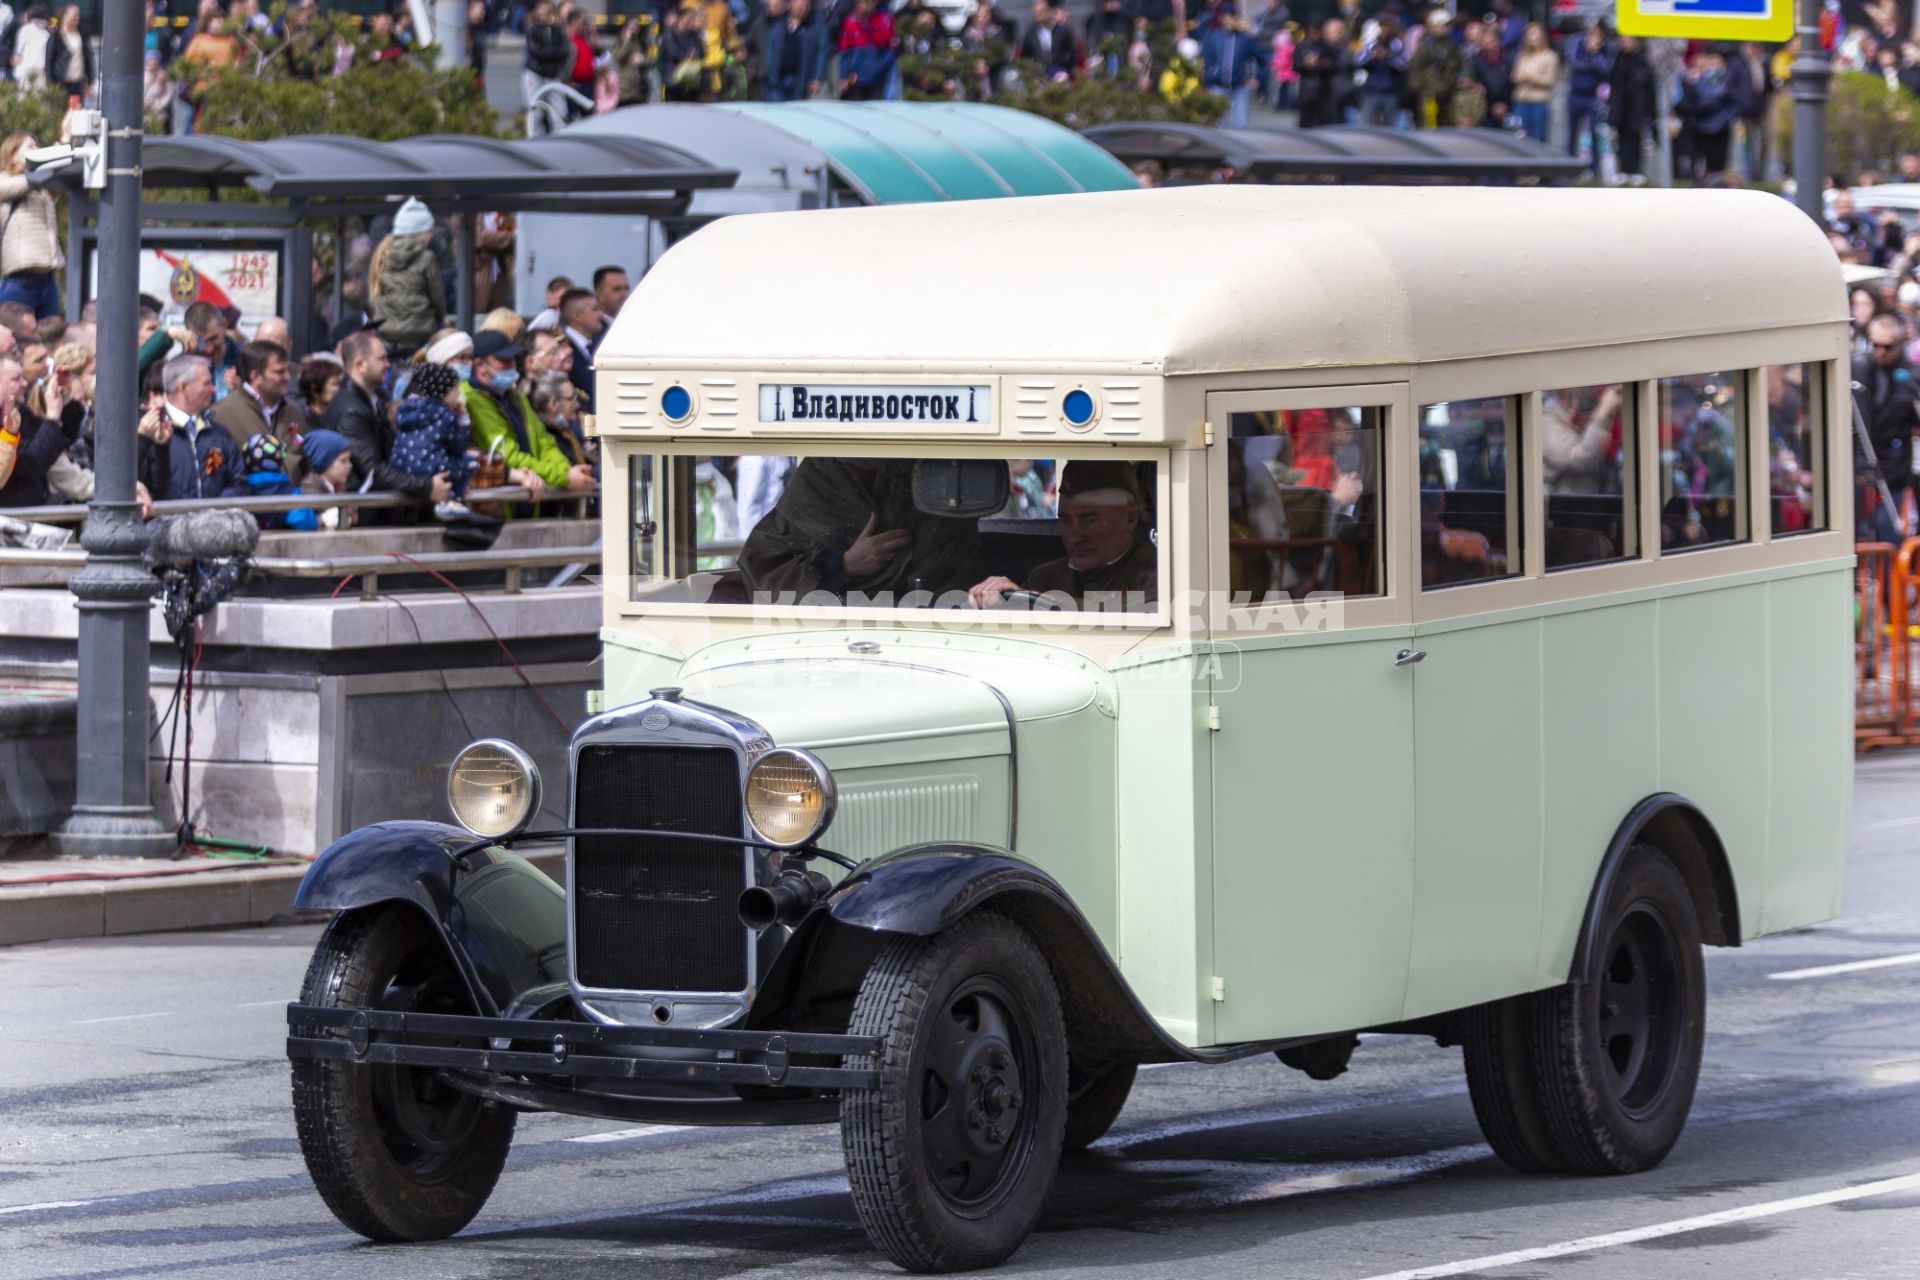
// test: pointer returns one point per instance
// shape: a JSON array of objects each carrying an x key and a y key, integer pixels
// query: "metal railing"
[
  {"x": 512, "y": 562},
  {"x": 76, "y": 512},
  {"x": 545, "y": 116}
]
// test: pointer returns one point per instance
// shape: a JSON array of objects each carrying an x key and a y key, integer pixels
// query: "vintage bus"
[{"x": 1048, "y": 636}]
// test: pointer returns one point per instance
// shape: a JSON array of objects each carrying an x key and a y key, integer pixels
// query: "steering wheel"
[{"x": 1030, "y": 600}]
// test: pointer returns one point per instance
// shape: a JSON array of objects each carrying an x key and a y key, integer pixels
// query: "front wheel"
[
  {"x": 395, "y": 1152},
  {"x": 951, "y": 1156}
]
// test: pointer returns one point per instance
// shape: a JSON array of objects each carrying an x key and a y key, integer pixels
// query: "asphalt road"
[{"x": 145, "y": 1131}]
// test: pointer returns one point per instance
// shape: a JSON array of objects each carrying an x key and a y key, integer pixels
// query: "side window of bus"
[
  {"x": 1796, "y": 443},
  {"x": 1586, "y": 457},
  {"x": 1469, "y": 491},
  {"x": 1702, "y": 460},
  {"x": 1304, "y": 503}
]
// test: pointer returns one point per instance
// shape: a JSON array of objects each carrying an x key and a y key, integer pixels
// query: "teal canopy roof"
[{"x": 910, "y": 152}]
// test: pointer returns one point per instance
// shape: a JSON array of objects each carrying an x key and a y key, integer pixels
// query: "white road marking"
[
  {"x": 1889, "y": 824},
  {"x": 283, "y": 1002},
  {"x": 1854, "y": 966},
  {"x": 45, "y": 1204},
  {"x": 119, "y": 1017},
  {"x": 622, "y": 1135},
  {"x": 1680, "y": 1226}
]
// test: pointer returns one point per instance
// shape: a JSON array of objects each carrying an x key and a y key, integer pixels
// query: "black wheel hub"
[
  {"x": 975, "y": 1123},
  {"x": 426, "y": 1122},
  {"x": 1640, "y": 1008}
]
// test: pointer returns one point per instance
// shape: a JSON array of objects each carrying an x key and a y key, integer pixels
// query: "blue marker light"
[
  {"x": 676, "y": 404},
  {"x": 1077, "y": 408}
]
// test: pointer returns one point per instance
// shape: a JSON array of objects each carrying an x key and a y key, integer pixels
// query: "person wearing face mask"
[
  {"x": 453, "y": 348},
  {"x": 505, "y": 425}
]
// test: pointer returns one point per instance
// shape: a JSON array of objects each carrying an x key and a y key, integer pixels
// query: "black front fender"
[
  {"x": 504, "y": 921},
  {"x": 921, "y": 890}
]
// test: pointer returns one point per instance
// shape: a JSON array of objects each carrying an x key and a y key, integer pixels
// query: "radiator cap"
[{"x": 671, "y": 693}]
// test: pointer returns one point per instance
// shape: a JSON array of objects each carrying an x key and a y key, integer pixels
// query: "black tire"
[
  {"x": 1095, "y": 1096},
  {"x": 1618, "y": 1053},
  {"x": 395, "y": 1153},
  {"x": 952, "y": 1155},
  {"x": 1498, "y": 1043}
]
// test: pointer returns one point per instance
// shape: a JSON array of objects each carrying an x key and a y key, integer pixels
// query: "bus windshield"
[{"x": 772, "y": 530}]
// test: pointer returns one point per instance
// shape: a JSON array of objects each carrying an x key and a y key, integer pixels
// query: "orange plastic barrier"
[{"x": 1886, "y": 673}]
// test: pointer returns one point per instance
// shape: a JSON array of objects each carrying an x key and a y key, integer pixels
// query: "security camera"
[{"x": 57, "y": 156}]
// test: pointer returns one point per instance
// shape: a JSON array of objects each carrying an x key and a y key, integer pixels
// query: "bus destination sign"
[{"x": 873, "y": 405}]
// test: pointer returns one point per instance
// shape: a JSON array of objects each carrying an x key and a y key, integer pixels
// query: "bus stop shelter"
[
  {"x": 1336, "y": 153},
  {"x": 815, "y": 155},
  {"x": 285, "y": 185}
]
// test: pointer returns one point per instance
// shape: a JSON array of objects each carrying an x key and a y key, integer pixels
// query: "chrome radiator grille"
[{"x": 658, "y": 913}]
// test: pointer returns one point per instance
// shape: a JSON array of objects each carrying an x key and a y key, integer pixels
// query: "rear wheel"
[
  {"x": 395, "y": 1152},
  {"x": 1598, "y": 1076},
  {"x": 1619, "y": 1053},
  {"x": 952, "y": 1155},
  {"x": 1096, "y": 1091},
  {"x": 1498, "y": 1042}
]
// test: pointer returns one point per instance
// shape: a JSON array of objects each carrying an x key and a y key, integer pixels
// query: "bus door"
[{"x": 1313, "y": 758}]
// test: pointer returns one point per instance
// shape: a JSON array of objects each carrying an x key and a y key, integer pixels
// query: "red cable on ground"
[
  {"x": 454, "y": 587},
  {"x": 341, "y": 586}
]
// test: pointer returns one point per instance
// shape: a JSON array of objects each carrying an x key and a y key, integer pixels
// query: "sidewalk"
[{"x": 48, "y": 899}]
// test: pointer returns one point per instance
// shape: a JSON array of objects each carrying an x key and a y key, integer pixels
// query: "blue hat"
[{"x": 322, "y": 447}]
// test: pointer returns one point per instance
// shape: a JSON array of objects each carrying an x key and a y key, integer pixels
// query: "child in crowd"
[
  {"x": 266, "y": 462},
  {"x": 329, "y": 467},
  {"x": 432, "y": 434}
]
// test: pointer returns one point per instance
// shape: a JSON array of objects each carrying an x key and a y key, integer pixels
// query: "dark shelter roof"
[
  {"x": 1350, "y": 152},
  {"x": 331, "y": 175}
]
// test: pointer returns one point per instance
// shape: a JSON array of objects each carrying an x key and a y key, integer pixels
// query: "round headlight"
[
  {"x": 493, "y": 789},
  {"x": 789, "y": 797}
]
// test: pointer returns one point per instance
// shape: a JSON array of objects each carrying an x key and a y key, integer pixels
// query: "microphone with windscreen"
[{"x": 201, "y": 558}]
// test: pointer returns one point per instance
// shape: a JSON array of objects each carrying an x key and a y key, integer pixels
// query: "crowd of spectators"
[
  {"x": 394, "y": 398},
  {"x": 1407, "y": 64}
]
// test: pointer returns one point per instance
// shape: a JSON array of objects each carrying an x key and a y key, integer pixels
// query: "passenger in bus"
[
  {"x": 1577, "y": 439},
  {"x": 847, "y": 525},
  {"x": 1099, "y": 521}
]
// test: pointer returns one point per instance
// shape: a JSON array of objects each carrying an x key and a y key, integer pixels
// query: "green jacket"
[
  {"x": 411, "y": 301},
  {"x": 542, "y": 456}
]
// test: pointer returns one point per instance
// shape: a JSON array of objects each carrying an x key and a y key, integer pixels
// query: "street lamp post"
[
  {"x": 113, "y": 813},
  {"x": 1809, "y": 78},
  {"x": 450, "y": 32}
]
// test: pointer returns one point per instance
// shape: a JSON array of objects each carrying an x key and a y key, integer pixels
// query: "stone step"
[{"x": 133, "y": 896}]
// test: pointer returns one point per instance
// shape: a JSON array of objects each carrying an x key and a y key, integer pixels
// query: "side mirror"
[{"x": 960, "y": 488}]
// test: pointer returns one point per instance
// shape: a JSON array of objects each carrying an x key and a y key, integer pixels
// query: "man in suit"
[
  {"x": 263, "y": 406},
  {"x": 1051, "y": 43},
  {"x": 583, "y": 323}
]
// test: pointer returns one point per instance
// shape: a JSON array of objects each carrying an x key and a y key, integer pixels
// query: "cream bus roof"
[{"x": 1197, "y": 279}]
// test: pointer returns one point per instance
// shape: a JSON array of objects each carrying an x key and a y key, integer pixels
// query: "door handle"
[{"x": 1407, "y": 657}]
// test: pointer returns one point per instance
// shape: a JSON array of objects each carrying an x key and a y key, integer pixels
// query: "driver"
[
  {"x": 1099, "y": 519},
  {"x": 849, "y": 525}
]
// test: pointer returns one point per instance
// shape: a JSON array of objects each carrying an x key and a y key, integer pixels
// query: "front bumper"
[{"x": 505, "y": 1047}]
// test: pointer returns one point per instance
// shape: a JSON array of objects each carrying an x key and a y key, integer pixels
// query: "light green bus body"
[{"x": 1290, "y": 831}]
